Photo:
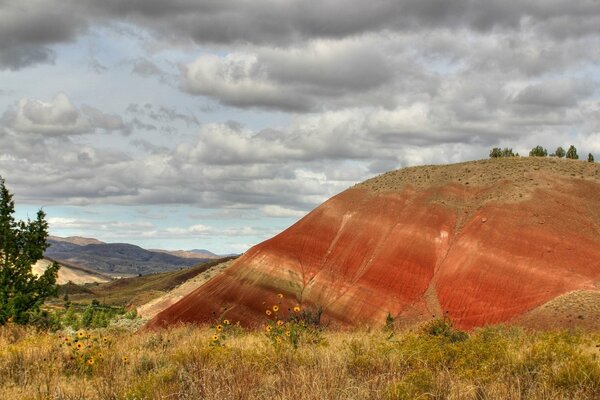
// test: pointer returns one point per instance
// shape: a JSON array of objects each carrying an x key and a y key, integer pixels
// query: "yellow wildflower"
[
  {"x": 297, "y": 309},
  {"x": 276, "y": 308},
  {"x": 268, "y": 328},
  {"x": 280, "y": 295},
  {"x": 268, "y": 312},
  {"x": 226, "y": 322},
  {"x": 279, "y": 323},
  {"x": 219, "y": 328}
]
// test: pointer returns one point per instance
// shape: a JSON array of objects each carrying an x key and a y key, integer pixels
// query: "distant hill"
[
  {"x": 71, "y": 273},
  {"x": 205, "y": 254},
  {"x": 115, "y": 259},
  {"x": 78, "y": 240}
]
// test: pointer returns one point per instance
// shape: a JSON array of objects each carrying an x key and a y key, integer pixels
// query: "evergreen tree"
[
  {"x": 538, "y": 151},
  {"x": 590, "y": 157},
  {"x": 21, "y": 245},
  {"x": 572, "y": 153},
  {"x": 506, "y": 152},
  {"x": 496, "y": 152},
  {"x": 560, "y": 152}
]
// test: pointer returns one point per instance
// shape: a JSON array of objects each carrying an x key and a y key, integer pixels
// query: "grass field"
[{"x": 228, "y": 362}]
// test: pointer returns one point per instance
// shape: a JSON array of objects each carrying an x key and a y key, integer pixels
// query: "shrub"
[
  {"x": 443, "y": 327},
  {"x": 560, "y": 152},
  {"x": 590, "y": 157}
]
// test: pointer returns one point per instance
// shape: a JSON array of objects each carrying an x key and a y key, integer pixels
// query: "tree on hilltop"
[
  {"x": 497, "y": 152},
  {"x": 560, "y": 152},
  {"x": 590, "y": 157},
  {"x": 572, "y": 153},
  {"x": 538, "y": 151},
  {"x": 21, "y": 245}
]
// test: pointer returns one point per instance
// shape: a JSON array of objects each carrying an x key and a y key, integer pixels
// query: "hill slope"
[
  {"x": 71, "y": 273},
  {"x": 480, "y": 242}
]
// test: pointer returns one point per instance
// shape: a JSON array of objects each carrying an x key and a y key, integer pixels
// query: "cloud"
[
  {"x": 28, "y": 28},
  {"x": 276, "y": 211},
  {"x": 555, "y": 93},
  {"x": 58, "y": 118},
  {"x": 309, "y": 77}
]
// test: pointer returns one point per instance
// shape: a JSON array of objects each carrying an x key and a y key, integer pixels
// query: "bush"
[
  {"x": 560, "y": 152},
  {"x": 443, "y": 327},
  {"x": 590, "y": 157}
]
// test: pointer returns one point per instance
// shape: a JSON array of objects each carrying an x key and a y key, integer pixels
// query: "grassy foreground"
[{"x": 188, "y": 362}]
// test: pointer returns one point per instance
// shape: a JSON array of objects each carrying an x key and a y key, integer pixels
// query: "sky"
[{"x": 216, "y": 124}]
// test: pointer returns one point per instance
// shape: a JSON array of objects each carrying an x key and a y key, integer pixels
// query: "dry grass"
[
  {"x": 180, "y": 363},
  {"x": 139, "y": 290},
  {"x": 513, "y": 177}
]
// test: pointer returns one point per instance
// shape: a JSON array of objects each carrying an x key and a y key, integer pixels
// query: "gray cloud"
[
  {"x": 344, "y": 73},
  {"x": 555, "y": 93},
  {"x": 27, "y": 28},
  {"x": 58, "y": 118}
]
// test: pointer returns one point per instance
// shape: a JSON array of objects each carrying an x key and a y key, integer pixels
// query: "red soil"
[{"x": 479, "y": 242}]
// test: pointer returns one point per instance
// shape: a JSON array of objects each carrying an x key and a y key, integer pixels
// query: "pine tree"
[
  {"x": 21, "y": 245},
  {"x": 572, "y": 153},
  {"x": 560, "y": 152},
  {"x": 590, "y": 157},
  {"x": 538, "y": 151}
]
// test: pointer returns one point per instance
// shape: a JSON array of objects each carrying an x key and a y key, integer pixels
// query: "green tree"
[
  {"x": 572, "y": 153},
  {"x": 560, "y": 152},
  {"x": 497, "y": 152},
  {"x": 21, "y": 245},
  {"x": 590, "y": 157},
  {"x": 538, "y": 151}
]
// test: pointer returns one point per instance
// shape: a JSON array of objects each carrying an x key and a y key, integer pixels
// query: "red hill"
[{"x": 482, "y": 242}]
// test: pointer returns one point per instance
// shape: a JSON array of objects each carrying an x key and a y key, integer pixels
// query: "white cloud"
[
  {"x": 279, "y": 211},
  {"x": 58, "y": 117}
]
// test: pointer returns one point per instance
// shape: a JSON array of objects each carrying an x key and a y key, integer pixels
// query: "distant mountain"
[
  {"x": 209, "y": 253},
  {"x": 204, "y": 254},
  {"x": 115, "y": 259},
  {"x": 79, "y": 240}
]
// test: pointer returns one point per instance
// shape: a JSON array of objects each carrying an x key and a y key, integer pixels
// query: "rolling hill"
[
  {"x": 480, "y": 242},
  {"x": 116, "y": 259}
]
